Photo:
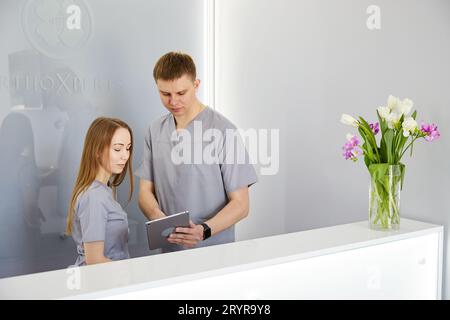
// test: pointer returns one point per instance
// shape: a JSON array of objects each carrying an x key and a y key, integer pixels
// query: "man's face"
[{"x": 179, "y": 95}]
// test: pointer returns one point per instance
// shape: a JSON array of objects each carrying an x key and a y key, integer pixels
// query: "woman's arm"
[{"x": 93, "y": 252}]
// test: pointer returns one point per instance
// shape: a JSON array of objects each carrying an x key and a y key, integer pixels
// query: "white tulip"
[
  {"x": 392, "y": 119},
  {"x": 349, "y": 120},
  {"x": 409, "y": 126},
  {"x": 401, "y": 107},
  {"x": 384, "y": 112},
  {"x": 393, "y": 102},
  {"x": 406, "y": 106}
]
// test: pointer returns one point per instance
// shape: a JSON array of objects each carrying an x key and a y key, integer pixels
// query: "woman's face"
[{"x": 119, "y": 151}]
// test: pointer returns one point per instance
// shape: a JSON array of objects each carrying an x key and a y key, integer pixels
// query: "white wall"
[{"x": 297, "y": 66}]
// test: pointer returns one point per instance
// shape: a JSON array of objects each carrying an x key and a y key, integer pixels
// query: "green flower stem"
[
  {"x": 395, "y": 215},
  {"x": 384, "y": 210},
  {"x": 414, "y": 139}
]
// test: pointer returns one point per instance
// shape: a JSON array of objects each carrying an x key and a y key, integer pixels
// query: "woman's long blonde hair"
[{"x": 97, "y": 142}]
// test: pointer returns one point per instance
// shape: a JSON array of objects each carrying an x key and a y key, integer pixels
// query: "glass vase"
[{"x": 384, "y": 196}]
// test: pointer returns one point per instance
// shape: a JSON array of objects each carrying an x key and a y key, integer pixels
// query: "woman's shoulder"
[{"x": 97, "y": 192}]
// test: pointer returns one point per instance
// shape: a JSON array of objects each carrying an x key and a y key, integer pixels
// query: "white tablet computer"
[{"x": 158, "y": 230}]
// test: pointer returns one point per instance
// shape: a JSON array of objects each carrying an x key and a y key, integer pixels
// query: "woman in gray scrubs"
[{"x": 97, "y": 222}]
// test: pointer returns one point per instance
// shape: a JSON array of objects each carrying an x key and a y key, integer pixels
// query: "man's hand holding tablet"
[{"x": 159, "y": 230}]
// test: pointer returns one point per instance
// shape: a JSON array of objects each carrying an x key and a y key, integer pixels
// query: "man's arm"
[
  {"x": 236, "y": 209},
  {"x": 147, "y": 200}
]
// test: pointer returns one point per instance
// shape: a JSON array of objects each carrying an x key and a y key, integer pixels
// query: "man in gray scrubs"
[{"x": 193, "y": 160}]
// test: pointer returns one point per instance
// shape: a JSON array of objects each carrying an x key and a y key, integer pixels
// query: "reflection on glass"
[
  {"x": 19, "y": 211},
  {"x": 41, "y": 143},
  {"x": 46, "y": 106}
]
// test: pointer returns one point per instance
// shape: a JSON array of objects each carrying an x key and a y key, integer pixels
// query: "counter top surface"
[{"x": 162, "y": 269}]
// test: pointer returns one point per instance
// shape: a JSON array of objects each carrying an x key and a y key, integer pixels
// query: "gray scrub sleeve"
[
  {"x": 237, "y": 171},
  {"x": 93, "y": 216},
  {"x": 145, "y": 171}
]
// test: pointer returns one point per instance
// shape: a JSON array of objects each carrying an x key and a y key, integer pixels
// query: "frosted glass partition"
[{"x": 63, "y": 63}]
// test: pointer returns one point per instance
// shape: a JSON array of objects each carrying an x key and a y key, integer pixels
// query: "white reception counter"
[{"x": 347, "y": 261}]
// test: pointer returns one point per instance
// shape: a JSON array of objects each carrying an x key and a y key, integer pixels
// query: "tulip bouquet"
[{"x": 399, "y": 131}]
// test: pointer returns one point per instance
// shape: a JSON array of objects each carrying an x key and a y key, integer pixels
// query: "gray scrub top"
[
  {"x": 98, "y": 217},
  {"x": 199, "y": 187}
]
